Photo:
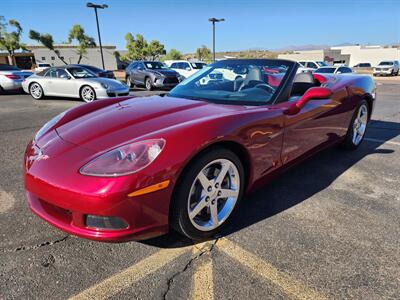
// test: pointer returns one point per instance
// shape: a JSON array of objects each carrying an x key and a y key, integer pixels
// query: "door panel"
[{"x": 316, "y": 124}]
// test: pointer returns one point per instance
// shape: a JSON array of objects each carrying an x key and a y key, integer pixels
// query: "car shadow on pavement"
[{"x": 297, "y": 184}]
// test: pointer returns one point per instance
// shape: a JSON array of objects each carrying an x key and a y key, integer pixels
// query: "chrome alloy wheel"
[
  {"x": 213, "y": 194},
  {"x": 36, "y": 91},
  {"x": 360, "y": 124},
  {"x": 87, "y": 94}
]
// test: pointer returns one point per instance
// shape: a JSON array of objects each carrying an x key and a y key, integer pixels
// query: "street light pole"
[
  {"x": 96, "y": 6},
  {"x": 213, "y": 21}
]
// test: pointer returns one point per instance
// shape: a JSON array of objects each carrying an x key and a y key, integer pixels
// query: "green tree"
[
  {"x": 10, "y": 41},
  {"x": 137, "y": 47},
  {"x": 203, "y": 53},
  {"x": 173, "y": 54},
  {"x": 78, "y": 33},
  {"x": 155, "y": 49},
  {"x": 47, "y": 41}
]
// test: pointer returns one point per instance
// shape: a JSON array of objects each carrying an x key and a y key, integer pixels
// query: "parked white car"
[
  {"x": 313, "y": 64},
  {"x": 387, "y": 67},
  {"x": 41, "y": 67},
  {"x": 184, "y": 67},
  {"x": 334, "y": 70},
  {"x": 11, "y": 77}
]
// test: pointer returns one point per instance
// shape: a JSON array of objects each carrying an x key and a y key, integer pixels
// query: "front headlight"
[
  {"x": 124, "y": 160},
  {"x": 104, "y": 85},
  {"x": 48, "y": 125}
]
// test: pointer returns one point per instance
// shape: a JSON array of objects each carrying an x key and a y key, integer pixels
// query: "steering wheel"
[{"x": 265, "y": 86}]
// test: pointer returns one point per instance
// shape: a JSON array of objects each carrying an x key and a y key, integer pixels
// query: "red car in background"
[{"x": 123, "y": 169}]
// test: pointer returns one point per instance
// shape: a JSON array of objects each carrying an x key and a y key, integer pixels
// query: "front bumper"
[
  {"x": 163, "y": 83},
  {"x": 109, "y": 93},
  {"x": 61, "y": 196},
  {"x": 383, "y": 72}
]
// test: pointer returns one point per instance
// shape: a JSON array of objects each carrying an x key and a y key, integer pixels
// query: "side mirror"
[
  {"x": 314, "y": 93},
  {"x": 188, "y": 69}
]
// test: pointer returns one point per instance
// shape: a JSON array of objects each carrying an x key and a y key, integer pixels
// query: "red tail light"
[{"x": 12, "y": 76}]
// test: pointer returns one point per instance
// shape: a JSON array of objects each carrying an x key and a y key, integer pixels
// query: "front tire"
[
  {"x": 358, "y": 126},
  {"x": 148, "y": 84},
  {"x": 207, "y": 194},
  {"x": 129, "y": 82},
  {"x": 36, "y": 91},
  {"x": 87, "y": 94}
]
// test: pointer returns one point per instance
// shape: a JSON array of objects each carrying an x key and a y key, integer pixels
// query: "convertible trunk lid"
[{"x": 124, "y": 121}]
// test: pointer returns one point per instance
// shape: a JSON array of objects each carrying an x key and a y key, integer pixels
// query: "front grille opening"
[{"x": 109, "y": 223}]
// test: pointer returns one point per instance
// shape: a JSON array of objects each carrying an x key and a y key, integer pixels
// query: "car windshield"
[
  {"x": 325, "y": 70},
  {"x": 386, "y": 63},
  {"x": 236, "y": 82},
  {"x": 8, "y": 68},
  {"x": 198, "y": 66},
  {"x": 322, "y": 63},
  {"x": 155, "y": 65},
  {"x": 79, "y": 72}
]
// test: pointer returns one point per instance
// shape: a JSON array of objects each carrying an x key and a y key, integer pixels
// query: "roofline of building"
[{"x": 67, "y": 46}]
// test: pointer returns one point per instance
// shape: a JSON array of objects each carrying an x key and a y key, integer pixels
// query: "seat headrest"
[{"x": 304, "y": 78}]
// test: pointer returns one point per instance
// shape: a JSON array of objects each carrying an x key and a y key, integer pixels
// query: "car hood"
[
  {"x": 134, "y": 118},
  {"x": 164, "y": 72},
  {"x": 113, "y": 83}
]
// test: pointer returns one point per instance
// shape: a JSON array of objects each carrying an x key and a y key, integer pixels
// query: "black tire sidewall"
[{"x": 179, "y": 211}]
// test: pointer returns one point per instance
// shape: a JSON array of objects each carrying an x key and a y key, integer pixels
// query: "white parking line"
[{"x": 382, "y": 141}]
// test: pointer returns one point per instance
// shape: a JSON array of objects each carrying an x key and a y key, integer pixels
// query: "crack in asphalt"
[
  {"x": 202, "y": 251},
  {"x": 34, "y": 247}
]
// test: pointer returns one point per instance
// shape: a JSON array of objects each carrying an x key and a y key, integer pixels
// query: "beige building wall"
[
  {"x": 372, "y": 55},
  {"x": 304, "y": 55}
]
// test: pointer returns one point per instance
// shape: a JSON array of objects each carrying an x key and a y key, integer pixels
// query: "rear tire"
[
  {"x": 357, "y": 128},
  {"x": 87, "y": 94},
  {"x": 36, "y": 91},
  {"x": 198, "y": 209},
  {"x": 1, "y": 90}
]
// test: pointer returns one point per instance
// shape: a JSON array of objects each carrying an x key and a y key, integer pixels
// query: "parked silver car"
[
  {"x": 74, "y": 82},
  {"x": 11, "y": 77}
]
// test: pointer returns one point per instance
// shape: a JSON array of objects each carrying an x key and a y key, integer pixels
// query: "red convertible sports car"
[{"x": 129, "y": 169}]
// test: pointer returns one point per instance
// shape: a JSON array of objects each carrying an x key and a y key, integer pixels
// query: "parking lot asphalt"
[{"x": 327, "y": 229}]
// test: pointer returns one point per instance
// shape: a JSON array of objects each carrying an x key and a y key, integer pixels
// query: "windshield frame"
[{"x": 276, "y": 96}]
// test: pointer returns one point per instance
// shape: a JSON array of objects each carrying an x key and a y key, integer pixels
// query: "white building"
[
  {"x": 350, "y": 55},
  {"x": 70, "y": 55}
]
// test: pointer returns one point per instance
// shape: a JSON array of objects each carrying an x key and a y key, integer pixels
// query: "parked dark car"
[
  {"x": 99, "y": 72},
  {"x": 151, "y": 74},
  {"x": 363, "y": 65}
]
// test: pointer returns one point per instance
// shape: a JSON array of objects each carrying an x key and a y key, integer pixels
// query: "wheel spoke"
[
  {"x": 214, "y": 214},
  {"x": 197, "y": 209},
  {"x": 222, "y": 173},
  {"x": 354, "y": 135},
  {"x": 226, "y": 193},
  {"x": 204, "y": 181}
]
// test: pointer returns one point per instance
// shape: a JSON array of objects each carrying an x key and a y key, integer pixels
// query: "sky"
[{"x": 184, "y": 24}]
